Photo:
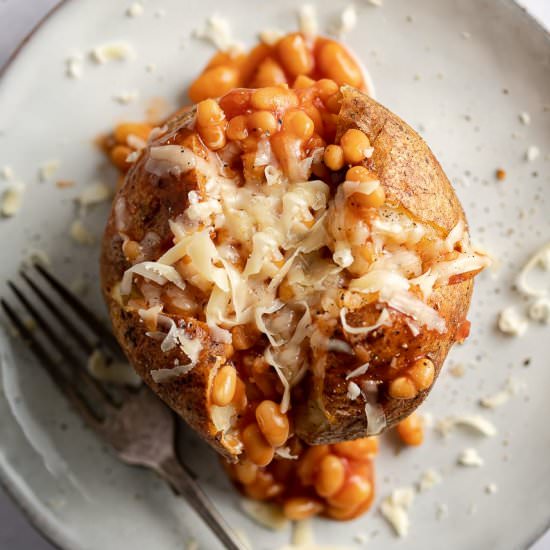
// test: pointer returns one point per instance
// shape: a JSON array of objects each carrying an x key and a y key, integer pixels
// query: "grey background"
[{"x": 17, "y": 18}]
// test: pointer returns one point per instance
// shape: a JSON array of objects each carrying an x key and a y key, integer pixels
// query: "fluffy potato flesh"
[{"x": 348, "y": 357}]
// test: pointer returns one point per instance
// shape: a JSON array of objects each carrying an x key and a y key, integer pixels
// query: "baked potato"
[{"x": 301, "y": 248}]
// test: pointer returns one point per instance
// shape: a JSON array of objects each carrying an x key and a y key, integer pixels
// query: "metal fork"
[{"x": 138, "y": 426}]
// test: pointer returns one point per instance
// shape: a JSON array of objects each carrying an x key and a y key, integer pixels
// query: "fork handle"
[{"x": 183, "y": 483}]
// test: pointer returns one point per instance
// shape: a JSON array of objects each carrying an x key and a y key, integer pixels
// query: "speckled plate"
[{"x": 461, "y": 72}]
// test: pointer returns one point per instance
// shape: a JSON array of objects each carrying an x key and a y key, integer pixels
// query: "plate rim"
[{"x": 34, "y": 514}]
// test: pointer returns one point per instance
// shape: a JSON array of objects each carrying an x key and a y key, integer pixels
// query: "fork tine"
[
  {"x": 66, "y": 352},
  {"x": 63, "y": 319},
  {"x": 95, "y": 325},
  {"x": 58, "y": 377}
]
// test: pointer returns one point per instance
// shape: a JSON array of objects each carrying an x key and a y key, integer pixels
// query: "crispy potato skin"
[
  {"x": 149, "y": 203},
  {"x": 411, "y": 176}
]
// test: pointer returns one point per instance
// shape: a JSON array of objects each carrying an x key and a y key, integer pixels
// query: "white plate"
[{"x": 461, "y": 72}]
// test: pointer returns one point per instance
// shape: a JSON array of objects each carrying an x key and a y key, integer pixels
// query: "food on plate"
[
  {"x": 239, "y": 249},
  {"x": 288, "y": 267},
  {"x": 294, "y": 59},
  {"x": 334, "y": 480}
]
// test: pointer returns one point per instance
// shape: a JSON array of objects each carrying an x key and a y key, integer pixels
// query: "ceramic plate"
[{"x": 461, "y": 73}]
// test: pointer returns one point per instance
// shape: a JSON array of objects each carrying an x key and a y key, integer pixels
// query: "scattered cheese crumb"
[
  {"x": 126, "y": 97},
  {"x": 80, "y": 234},
  {"x": 6, "y": 173},
  {"x": 284, "y": 452},
  {"x": 442, "y": 511},
  {"x": 37, "y": 256},
  {"x": 458, "y": 370},
  {"x": 12, "y": 199},
  {"x": 539, "y": 311},
  {"x": 473, "y": 421},
  {"x": 532, "y": 153},
  {"x": 361, "y": 538},
  {"x": 48, "y": 169},
  {"x": 470, "y": 457},
  {"x": 73, "y": 66},
  {"x": 265, "y": 513},
  {"x": 135, "y": 10},
  {"x": 192, "y": 544},
  {"x": 513, "y": 386},
  {"x": 302, "y": 533},
  {"x": 377, "y": 3},
  {"x": 114, "y": 372},
  {"x": 353, "y": 391},
  {"x": 491, "y": 489},
  {"x": 136, "y": 142},
  {"x": 525, "y": 118},
  {"x": 95, "y": 193},
  {"x": 346, "y": 22},
  {"x": 132, "y": 157},
  {"x": 270, "y": 36},
  {"x": 114, "y": 51},
  {"x": 217, "y": 31},
  {"x": 395, "y": 509},
  {"x": 307, "y": 20},
  {"x": 429, "y": 479},
  {"x": 511, "y": 322}
]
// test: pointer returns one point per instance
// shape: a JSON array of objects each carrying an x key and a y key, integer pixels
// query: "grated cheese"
[
  {"x": 513, "y": 387},
  {"x": 271, "y": 36},
  {"x": 470, "y": 457},
  {"x": 475, "y": 422},
  {"x": 12, "y": 200},
  {"x": 155, "y": 271},
  {"x": 6, "y": 173},
  {"x": 162, "y": 376},
  {"x": 112, "y": 51},
  {"x": 94, "y": 193},
  {"x": 114, "y": 372},
  {"x": 525, "y": 118},
  {"x": 135, "y": 10},
  {"x": 540, "y": 258},
  {"x": 266, "y": 514},
  {"x": 74, "y": 66},
  {"x": 80, "y": 234},
  {"x": 395, "y": 509},
  {"x": 429, "y": 479},
  {"x": 359, "y": 371},
  {"x": 48, "y": 169},
  {"x": 217, "y": 31},
  {"x": 346, "y": 22},
  {"x": 532, "y": 153},
  {"x": 307, "y": 20},
  {"x": 510, "y": 322},
  {"x": 354, "y": 391},
  {"x": 339, "y": 346},
  {"x": 540, "y": 311},
  {"x": 383, "y": 320},
  {"x": 284, "y": 452},
  {"x": 126, "y": 97},
  {"x": 278, "y": 235}
]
